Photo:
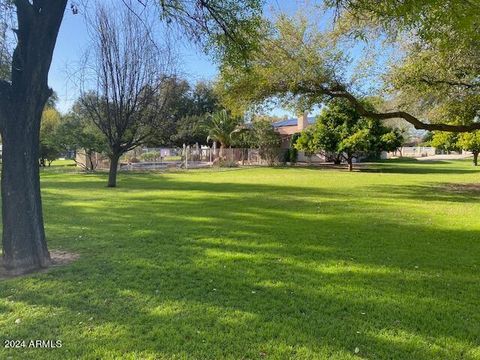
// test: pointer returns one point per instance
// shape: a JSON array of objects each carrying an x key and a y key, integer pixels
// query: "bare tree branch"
[{"x": 129, "y": 71}]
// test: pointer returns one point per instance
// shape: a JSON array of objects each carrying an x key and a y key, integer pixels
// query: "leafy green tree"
[
  {"x": 392, "y": 140},
  {"x": 49, "y": 149},
  {"x": 340, "y": 132},
  {"x": 175, "y": 106},
  {"x": 444, "y": 140},
  {"x": 77, "y": 134},
  {"x": 190, "y": 111},
  {"x": 298, "y": 65},
  {"x": 190, "y": 129},
  {"x": 437, "y": 75},
  {"x": 204, "y": 99},
  {"x": 186, "y": 110},
  {"x": 438, "y": 85},
  {"x": 354, "y": 146},
  {"x": 471, "y": 142},
  {"x": 430, "y": 20},
  {"x": 306, "y": 141}
]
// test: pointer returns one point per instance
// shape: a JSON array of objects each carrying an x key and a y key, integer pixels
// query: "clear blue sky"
[{"x": 73, "y": 40}]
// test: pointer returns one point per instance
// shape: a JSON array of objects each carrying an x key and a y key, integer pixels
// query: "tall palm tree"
[{"x": 221, "y": 127}]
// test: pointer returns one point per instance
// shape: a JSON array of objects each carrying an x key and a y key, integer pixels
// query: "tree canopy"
[
  {"x": 444, "y": 21},
  {"x": 187, "y": 111},
  {"x": 434, "y": 79}
]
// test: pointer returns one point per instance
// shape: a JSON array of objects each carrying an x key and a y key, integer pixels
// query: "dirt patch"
[
  {"x": 462, "y": 188},
  {"x": 58, "y": 257},
  {"x": 62, "y": 257}
]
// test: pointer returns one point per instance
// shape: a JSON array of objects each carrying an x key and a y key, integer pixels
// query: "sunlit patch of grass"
[{"x": 256, "y": 263}]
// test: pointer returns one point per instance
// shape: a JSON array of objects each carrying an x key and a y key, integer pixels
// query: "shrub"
[
  {"x": 226, "y": 163},
  {"x": 150, "y": 156}
]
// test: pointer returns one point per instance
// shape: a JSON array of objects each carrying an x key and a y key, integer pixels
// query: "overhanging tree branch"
[
  {"x": 339, "y": 91},
  {"x": 449, "y": 82},
  {"x": 302, "y": 67}
]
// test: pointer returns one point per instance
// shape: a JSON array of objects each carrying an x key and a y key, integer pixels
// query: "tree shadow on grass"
[
  {"x": 422, "y": 168},
  {"x": 396, "y": 166},
  {"x": 435, "y": 192},
  {"x": 228, "y": 270}
]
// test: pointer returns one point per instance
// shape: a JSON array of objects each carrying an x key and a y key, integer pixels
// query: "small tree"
[
  {"x": 342, "y": 133},
  {"x": 293, "y": 152},
  {"x": 446, "y": 141},
  {"x": 353, "y": 146},
  {"x": 221, "y": 127},
  {"x": 129, "y": 73},
  {"x": 305, "y": 141},
  {"x": 470, "y": 142},
  {"x": 77, "y": 134},
  {"x": 392, "y": 140},
  {"x": 49, "y": 149},
  {"x": 266, "y": 140}
]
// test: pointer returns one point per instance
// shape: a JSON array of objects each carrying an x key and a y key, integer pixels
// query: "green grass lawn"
[
  {"x": 258, "y": 263},
  {"x": 62, "y": 163}
]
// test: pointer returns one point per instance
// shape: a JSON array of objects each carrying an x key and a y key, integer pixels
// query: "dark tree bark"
[
  {"x": 475, "y": 158},
  {"x": 350, "y": 164},
  {"x": 24, "y": 244},
  {"x": 90, "y": 165},
  {"x": 21, "y": 103},
  {"x": 112, "y": 174}
]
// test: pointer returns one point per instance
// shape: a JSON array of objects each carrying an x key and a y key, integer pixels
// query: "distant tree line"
[
  {"x": 183, "y": 121},
  {"x": 193, "y": 114}
]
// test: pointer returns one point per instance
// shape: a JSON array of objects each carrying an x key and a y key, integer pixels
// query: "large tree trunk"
[
  {"x": 112, "y": 174},
  {"x": 21, "y": 103},
  {"x": 475, "y": 158},
  {"x": 24, "y": 245}
]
